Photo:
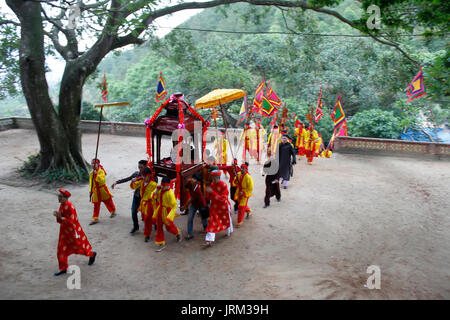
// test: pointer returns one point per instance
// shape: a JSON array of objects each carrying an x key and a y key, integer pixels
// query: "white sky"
[{"x": 56, "y": 64}]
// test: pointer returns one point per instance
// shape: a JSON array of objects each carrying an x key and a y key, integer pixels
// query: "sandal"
[
  {"x": 207, "y": 244},
  {"x": 93, "y": 222}
]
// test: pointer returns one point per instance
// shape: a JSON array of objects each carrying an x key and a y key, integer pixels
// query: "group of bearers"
[
  {"x": 206, "y": 193},
  {"x": 309, "y": 143}
]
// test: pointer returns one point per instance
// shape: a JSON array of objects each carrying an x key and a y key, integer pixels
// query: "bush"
[
  {"x": 51, "y": 175},
  {"x": 374, "y": 123}
]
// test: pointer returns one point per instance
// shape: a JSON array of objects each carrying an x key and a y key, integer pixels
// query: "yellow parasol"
[{"x": 218, "y": 97}]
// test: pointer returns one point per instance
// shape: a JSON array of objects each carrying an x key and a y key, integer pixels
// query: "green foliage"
[
  {"x": 9, "y": 60},
  {"x": 374, "y": 123},
  {"x": 14, "y": 107},
  {"x": 88, "y": 112},
  {"x": 409, "y": 14},
  {"x": 438, "y": 79},
  {"x": 408, "y": 114},
  {"x": 52, "y": 175},
  {"x": 367, "y": 74}
]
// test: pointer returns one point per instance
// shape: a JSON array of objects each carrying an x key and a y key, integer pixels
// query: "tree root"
[{"x": 64, "y": 169}]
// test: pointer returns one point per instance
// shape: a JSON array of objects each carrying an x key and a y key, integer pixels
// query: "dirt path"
[{"x": 337, "y": 217}]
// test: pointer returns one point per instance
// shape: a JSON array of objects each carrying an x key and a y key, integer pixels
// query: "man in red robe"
[
  {"x": 232, "y": 171},
  {"x": 219, "y": 210},
  {"x": 72, "y": 239}
]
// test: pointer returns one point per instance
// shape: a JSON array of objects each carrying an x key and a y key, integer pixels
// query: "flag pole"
[{"x": 96, "y": 149}]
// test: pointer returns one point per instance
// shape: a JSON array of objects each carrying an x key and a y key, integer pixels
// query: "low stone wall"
[
  {"x": 370, "y": 146},
  {"x": 7, "y": 123},
  {"x": 391, "y": 147},
  {"x": 118, "y": 128}
]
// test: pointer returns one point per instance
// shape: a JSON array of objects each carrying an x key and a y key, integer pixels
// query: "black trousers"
[
  {"x": 236, "y": 202},
  {"x": 272, "y": 189},
  {"x": 134, "y": 211}
]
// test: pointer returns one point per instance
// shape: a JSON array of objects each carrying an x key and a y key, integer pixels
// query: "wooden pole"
[
  {"x": 96, "y": 149},
  {"x": 226, "y": 128}
]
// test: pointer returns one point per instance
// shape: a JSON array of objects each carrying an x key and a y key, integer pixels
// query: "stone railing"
[
  {"x": 391, "y": 147},
  {"x": 342, "y": 144},
  {"x": 7, "y": 123},
  {"x": 89, "y": 126}
]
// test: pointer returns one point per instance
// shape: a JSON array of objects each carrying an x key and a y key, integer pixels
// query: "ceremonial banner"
[
  {"x": 244, "y": 109},
  {"x": 259, "y": 93},
  {"x": 273, "y": 98},
  {"x": 338, "y": 114},
  {"x": 104, "y": 89},
  {"x": 416, "y": 88},
  {"x": 267, "y": 108},
  {"x": 339, "y": 131},
  {"x": 161, "y": 91}
]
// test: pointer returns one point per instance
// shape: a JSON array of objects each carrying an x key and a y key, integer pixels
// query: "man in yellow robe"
[
  {"x": 304, "y": 141},
  {"x": 260, "y": 133},
  {"x": 274, "y": 139},
  {"x": 221, "y": 148},
  {"x": 245, "y": 138},
  {"x": 165, "y": 213},
  {"x": 326, "y": 153},
  {"x": 243, "y": 193},
  {"x": 147, "y": 187},
  {"x": 300, "y": 132},
  {"x": 313, "y": 146},
  {"x": 99, "y": 192}
]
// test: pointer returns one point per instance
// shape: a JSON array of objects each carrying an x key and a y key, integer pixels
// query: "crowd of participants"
[{"x": 214, "y": 194}]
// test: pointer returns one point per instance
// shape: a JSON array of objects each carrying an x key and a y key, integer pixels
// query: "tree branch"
[
  {"x": 53, "y": 36},
  {"x": 133, "y": 36},
  {"x": 3, "y": 22},
  {"x": 71, "y": 49},
  {"x": 341, "y": 18}
]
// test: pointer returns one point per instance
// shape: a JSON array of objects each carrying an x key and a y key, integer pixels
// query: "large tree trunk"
[
  {"x": 71, "y": 91},
  {"x": 60, "y": 148}
]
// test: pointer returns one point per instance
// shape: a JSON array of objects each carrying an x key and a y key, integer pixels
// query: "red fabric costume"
[
  {"x": 219, "y": 219},
  {"x": 165, "y": 207},
  {"x": 230, "y": 171},
  {"x": 72, "y": 239}
]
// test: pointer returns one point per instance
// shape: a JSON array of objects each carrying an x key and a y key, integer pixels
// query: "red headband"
[
  {"x": 64, "y": 192},
  {"x": 244, "y": 166}
]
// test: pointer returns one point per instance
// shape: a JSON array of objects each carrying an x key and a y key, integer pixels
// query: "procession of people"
[
  {"x": 215, "y": 190},
  {"x": 221, "y": 188}
]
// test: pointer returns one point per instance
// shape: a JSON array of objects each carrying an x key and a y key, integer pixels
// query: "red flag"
[
  {"x": 273, "y": 98},
  {"x": 257, "y": 101},
  {"x": 104, "y": 89},
  {"x": 319, "y": 112}
]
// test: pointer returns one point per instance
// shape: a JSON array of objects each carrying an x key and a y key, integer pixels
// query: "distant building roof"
[{"x": 416, "y": 135}]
